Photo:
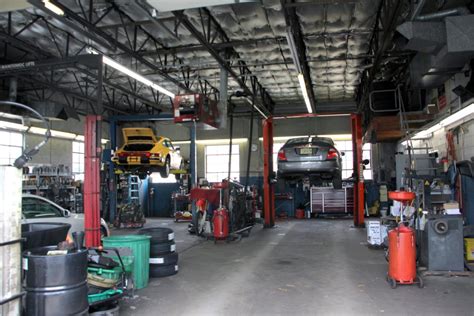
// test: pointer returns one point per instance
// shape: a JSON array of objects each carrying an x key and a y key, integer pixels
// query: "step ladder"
[{"x": 133, "y": 189}]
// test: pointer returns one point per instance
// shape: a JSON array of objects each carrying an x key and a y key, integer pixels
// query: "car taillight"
[
  {"x": 332, "y": 154},
  {"x": 122, "y": 154},
  {"x": 281, "y": 155},
  {"x": 147, "y": 155}
]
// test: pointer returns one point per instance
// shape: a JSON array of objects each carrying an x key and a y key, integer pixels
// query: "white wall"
[
  {"x": 464, "y": 134},
  {"x": 55, "y": 152}
]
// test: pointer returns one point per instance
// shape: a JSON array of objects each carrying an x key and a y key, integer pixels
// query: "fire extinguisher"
[{"x": 220, "y": 222}]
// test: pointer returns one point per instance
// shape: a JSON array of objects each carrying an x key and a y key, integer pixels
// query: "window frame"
[
  {"x": 235, "y": 156},
  {"x": 78, "y": 175},
  {"x": 10, "y": 145}
]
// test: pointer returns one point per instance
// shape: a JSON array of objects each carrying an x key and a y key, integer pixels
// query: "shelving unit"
[{"x": 59, "y": 187}]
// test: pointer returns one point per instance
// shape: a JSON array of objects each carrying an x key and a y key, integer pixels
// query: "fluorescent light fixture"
[
  {"x": 41, "y": 131},
  {"x": 305, "y": 92},
  {"x": 181, "y": 142},
  {"x": 293, "y": 51},
  {"x": 459, "y": 115},
  {"x": 220, "y": 141},
  {"x": 112, "y": 63},
  {"x": 13, "y": 126},
  {"x": 465, "y": 114},
  {"x": 211, "y": 141},
  {"x": 53, "y": 8},
  {"x": 338, "y": 136},
  {"x": 65, "y": 135},
  {"x": 37, "y": 130},
  {"x": 332, "y": 136},
  {"x": 294, "y": 55}
]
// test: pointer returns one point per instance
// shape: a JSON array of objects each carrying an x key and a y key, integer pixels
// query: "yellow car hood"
[{"x": 141, "y": 134}]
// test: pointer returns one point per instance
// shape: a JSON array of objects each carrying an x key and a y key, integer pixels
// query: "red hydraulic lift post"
[
  {"x": 92, "y": 156},
  {"x": 359, "y": 202},
  {"x": 268, "y": 187}
]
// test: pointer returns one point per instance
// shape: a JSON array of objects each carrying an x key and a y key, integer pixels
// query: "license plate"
[{"x": 306, "y": 151}]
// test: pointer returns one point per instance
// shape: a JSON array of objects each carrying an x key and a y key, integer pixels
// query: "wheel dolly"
[{"x": 110, "y": 297}]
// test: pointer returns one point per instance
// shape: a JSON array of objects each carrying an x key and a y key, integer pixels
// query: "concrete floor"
[{"x": 300, "y": 267}]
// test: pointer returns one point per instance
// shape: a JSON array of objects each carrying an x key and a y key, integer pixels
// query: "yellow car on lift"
[{"x": 144, "y": 153}]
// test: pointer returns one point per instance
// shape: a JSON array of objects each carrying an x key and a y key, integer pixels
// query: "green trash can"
[{"x": 140, "y": 246}]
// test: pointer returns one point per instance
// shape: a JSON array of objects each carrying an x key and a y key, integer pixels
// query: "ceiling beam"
[
  {"x": 71, "y": 16},
  {"x": 388, "y": 15},
  {"x": 257, "y": 91},
  {"x": 233, "y": 44}
]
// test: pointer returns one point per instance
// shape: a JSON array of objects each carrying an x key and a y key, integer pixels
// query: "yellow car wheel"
[{"x": 165, "y": 170}]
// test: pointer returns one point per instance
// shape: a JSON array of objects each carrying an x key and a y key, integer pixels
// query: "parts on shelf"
[{"x": 55, "y": 183}]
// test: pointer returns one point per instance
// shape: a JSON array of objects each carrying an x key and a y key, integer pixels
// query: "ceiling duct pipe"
[
  {"x": 223, "y": 95},
  {"x": 443, "y": 14},
  {"x": 443, "y": 48},
  {"x": 417, "y": 9}
]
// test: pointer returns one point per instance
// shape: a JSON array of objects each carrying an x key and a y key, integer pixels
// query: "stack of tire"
[{"x": 163, "y": 255}]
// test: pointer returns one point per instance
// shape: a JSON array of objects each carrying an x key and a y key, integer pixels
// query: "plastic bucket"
[{"x": 140, "y": 246}]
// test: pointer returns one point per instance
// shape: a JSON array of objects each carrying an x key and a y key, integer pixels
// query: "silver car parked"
[
  {"x": 36, "y": 209},
  {"x": 312, "y": 157}
]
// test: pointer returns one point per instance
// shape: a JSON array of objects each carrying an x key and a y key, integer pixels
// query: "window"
[
  {"x": 11, "y": 147},
  {"x": 347, "y": 161},
  {"x": 155, "y": 177},
  {"x": 78, "y": 160},
  {"x": 217, "y": 162},
  {"x": 36, "y": 208},
  {"x": 276, "y": 149}
]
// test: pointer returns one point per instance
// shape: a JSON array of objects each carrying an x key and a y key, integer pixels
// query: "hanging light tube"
[
  {"x": 296, "y": 61},
  {"x": 112, "y": 63},
  {"x": 463, "y": 114},
  {"x": 305, "y": 93},
  {"x": 52, "y": 7}
]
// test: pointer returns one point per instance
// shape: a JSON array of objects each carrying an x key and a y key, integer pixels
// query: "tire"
[
  {"x": 165, "y": 259},
  {"x": 162, "y": 248},
  {"x": 165, "y": 170},
  {"x": 420, "y": 282},
  {"x": 337, "y": 182},
  {"x": 142, "y": 176},
  {"x": 392, "y": 283},
  {"x": 103, "y": 232},
  {"x": 158, "y": 234},
  {"x": 160, "y": 271}
]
